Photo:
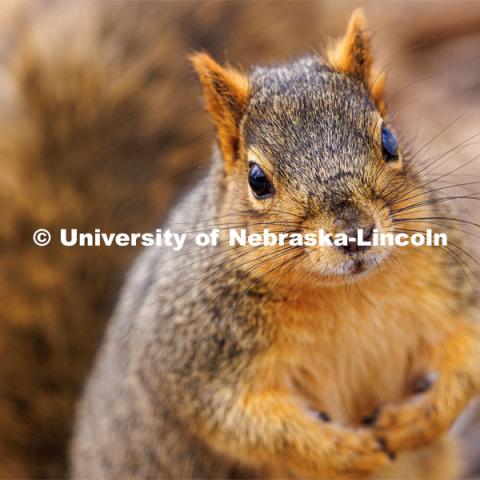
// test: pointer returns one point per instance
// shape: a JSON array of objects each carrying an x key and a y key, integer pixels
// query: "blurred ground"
[{"x": 431, "y": 51}]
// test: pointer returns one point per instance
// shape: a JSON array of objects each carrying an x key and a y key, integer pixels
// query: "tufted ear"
[
  {"x": 353, "y": 55},
  {"x": 225, "y": 91}
]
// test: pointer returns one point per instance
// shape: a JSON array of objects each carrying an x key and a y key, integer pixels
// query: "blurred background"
[{"x": 101, "y": 125}]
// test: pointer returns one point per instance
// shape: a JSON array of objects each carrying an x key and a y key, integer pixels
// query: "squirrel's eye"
[
  {"x": 258, "y": 182},
  {"x": 389, "y": 145}
]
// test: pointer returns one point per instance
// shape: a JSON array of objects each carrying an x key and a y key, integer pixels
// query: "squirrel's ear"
[
  {"x": 353, "y": 55},
  {"x": 226, "y": 94}
]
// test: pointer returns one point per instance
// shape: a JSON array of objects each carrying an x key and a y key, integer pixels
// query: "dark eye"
[
  {"x": 389, "y": 145},
  {"x": 258, "y": 182}
]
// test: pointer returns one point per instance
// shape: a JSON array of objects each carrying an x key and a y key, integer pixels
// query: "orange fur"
[
  {"x": 412, "y": 333},
  {"x": 226, "y": 95},
  {"x": 353, "y": 55}
]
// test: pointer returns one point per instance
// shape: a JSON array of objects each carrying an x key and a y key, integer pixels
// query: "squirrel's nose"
[
  {"x": 353, "y": 234},
  {"x": 350, "y": 221}
]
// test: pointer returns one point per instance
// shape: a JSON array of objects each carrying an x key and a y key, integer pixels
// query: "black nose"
[{"x": 354, "y": 236}]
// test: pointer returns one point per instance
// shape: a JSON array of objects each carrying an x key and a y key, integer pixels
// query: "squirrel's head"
[{"x": 307, "y": 146}]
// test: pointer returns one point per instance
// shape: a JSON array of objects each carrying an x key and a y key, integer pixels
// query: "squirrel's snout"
[
  {"x": 359, "y": 239},
  {"x": 358, "y": 226}
]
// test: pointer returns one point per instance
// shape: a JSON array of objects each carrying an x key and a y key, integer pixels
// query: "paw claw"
[
  {"x": 372, "y": 418},
  {"x": 324, "y": 416},
  {"x": 423, "y": 383}
]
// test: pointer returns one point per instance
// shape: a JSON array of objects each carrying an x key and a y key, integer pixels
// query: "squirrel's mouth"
[
  {"x": 359, "y": 267},
  {"x": 362, "y": 264},
  {"x": 354, "y": 267}
]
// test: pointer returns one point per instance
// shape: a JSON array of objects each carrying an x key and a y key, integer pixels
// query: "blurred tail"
[
  {"x": 89, "y": 138},
  {"x": 100, "y": 127}
]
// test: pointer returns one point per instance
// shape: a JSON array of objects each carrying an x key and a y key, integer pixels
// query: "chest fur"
[{"x": 349, "y": 356}]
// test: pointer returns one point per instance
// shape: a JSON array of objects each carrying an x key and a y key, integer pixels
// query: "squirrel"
[
  {"x": 100, "y": 128},
  {"x": 235, "y": 362}
]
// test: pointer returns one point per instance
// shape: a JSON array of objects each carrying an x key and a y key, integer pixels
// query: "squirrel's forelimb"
[
  {"x": 426, "y": 417},
  {"x": 271, "y": 428}
]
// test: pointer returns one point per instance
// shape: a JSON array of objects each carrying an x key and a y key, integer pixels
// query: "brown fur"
[{"x": 100, "y": 128}]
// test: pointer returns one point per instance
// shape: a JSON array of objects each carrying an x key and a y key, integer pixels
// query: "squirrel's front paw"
[
  {"x": 357, "y": 453},
  {"x": 424, "y": 417}
]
